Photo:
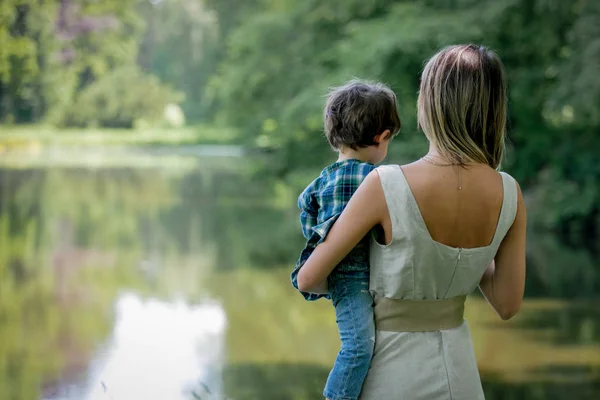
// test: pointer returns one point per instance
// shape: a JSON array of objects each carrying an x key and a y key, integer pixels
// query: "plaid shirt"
[{"x": 321, "y": 203}]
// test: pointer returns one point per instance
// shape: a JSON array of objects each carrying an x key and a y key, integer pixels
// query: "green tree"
[
  {"x": 120, "y": 99},
  {"x": 27, "y": 69},
  {"x": 52, "y": 51},
  {"x": 282, "y": 57},
  {"x": 181, "y": 46}
]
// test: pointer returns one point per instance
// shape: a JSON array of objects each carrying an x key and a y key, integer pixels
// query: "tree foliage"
[
  {"x": 263, "y": 66},
  {"x": 51, "y": 51},
  {"x": 115, "y": 101},
  {"x": 180, "y": 46},
  {"x": 281, "y": 59},
  {"x": 25, "y": 48}
]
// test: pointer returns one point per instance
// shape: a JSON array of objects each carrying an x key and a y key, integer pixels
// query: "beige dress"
[{"x": 423, "y": 348}]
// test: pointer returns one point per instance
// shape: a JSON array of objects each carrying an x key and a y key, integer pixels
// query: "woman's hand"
[{"x": 366, "y": 209}]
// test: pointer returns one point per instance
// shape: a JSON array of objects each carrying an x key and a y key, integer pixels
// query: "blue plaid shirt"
[{"x": 321, "y": 203}]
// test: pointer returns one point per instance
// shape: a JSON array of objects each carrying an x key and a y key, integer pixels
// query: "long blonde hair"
[{"x": 462, "y": 104}]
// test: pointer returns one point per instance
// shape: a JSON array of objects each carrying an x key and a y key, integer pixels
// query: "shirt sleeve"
[
  {"x": 347, "y": 184},
  {"x": 309, "y": 210},
  {"x": 364, "y": 170}
]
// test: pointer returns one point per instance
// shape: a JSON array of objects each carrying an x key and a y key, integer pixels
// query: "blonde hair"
[{"x": 462, "y": 104}]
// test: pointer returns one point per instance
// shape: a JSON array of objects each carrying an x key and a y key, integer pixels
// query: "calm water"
[{"x": 166, "y": 278}]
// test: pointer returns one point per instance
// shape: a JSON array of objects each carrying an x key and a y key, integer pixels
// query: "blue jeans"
[{"x": 354, "y": 316}]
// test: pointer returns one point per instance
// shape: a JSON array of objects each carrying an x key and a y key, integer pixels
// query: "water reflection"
[
  {"x": 564, "y": 324},
  {"x": 161, "y": 350},
  {"x": 304, "y": 382},
  {"x": 92, "y": 262},
  {"x": 558, "y": 270},
  {"x": 542, "y": 389},
  {"x": 278, "y": 381}
]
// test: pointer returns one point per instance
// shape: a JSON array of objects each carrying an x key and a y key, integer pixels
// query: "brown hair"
[
  {"x": 358, "y": 111},
  {"x": 462, "y": 104}
]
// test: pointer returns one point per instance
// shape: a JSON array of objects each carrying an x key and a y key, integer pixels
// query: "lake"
[{"x": 130, "y": 274}]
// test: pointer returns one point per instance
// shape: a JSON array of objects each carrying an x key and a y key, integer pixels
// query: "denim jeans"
[{"x": 354, "y": 316}]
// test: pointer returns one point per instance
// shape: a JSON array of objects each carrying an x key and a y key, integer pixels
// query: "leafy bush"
[{"x": 120, "y": 99}]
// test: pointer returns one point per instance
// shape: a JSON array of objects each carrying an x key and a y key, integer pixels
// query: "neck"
[
  {"x": 433, "y": 151},
  {"x": 435, "y": 154},
  {"x": 350, "y": 154}
]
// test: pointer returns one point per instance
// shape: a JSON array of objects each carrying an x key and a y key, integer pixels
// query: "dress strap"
[
  {"x": 394, "y": 188},
  {"x": 509, "y": 207}
]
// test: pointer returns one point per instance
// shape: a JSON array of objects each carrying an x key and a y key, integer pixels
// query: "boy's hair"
[
  {"x": 462, "y": 104},
  {"x": 358, "y": 111}
]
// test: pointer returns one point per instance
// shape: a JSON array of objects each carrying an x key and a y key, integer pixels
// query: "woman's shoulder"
[
  {"x": 388, "y": 167},
  {"x": 510, "y": 183},
  {"x": 384, "y": 171},
  {"x": 392, "y": 175},
  {"x": 507, "y": 176},
  {"x": 389, "y": 180}
]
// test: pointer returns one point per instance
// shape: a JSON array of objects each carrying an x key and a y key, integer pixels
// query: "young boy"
[{"x": 360, "y": 119}]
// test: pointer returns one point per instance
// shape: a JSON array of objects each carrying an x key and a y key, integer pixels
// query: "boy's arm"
[
  {"x": 346, "y": 233},
  {"x": 309, "y": 208},
  {"x": 347, "y": 184}
]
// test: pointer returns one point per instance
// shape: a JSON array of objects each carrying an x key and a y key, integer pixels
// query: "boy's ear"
[{"x": 385, "y": 135}]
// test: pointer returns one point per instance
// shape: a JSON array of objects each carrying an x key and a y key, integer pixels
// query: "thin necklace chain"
[{"x": 428, "y": 158}]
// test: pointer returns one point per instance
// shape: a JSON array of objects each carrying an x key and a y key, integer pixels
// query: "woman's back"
[
  {"x": 442, "y": 241},
  {"x": 465, "y": 217},
  {"x": 438, "y": 247}
]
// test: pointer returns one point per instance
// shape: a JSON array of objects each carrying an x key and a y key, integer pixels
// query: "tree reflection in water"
[{"x": 73, "y": 241}]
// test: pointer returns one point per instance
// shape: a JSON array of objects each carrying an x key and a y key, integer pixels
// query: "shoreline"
[{"x": 28, "y": 136}]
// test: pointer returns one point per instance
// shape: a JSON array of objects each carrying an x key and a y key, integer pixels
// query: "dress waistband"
[{"x": 399, "y": 315}]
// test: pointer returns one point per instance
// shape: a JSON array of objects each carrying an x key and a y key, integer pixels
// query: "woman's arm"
[
  {"x": 366, "y": 208},
  {"x": 503, "y": 283}
]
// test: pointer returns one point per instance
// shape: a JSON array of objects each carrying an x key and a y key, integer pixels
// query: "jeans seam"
[
  {"x": 355, "y": 355},
  {"x": 338, "y": 290}
]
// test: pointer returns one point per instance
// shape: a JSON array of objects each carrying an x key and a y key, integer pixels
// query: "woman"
[{"x": 449, "y": 222}]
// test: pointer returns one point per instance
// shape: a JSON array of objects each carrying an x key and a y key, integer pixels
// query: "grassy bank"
[
  {"x": 39, "y": 146},
  {"x": 15, "y": 137}
]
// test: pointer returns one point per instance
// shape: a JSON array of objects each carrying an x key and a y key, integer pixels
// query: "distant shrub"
[{"x": 120, "y": 99}]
